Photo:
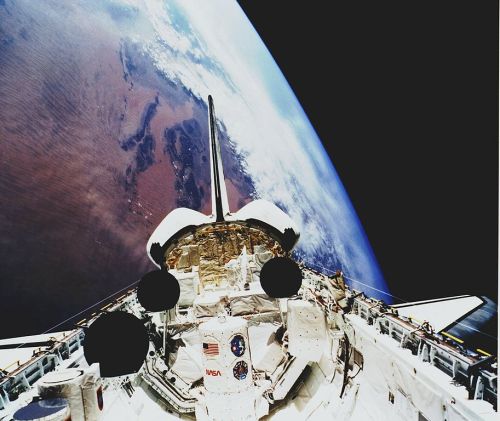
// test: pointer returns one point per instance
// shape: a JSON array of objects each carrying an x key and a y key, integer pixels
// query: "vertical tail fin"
[{"x": 220, "y": 205}]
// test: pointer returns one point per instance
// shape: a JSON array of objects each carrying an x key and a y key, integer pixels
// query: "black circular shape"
[
  {"x": 280, "y": 277},
  {"x": 118, "y": 341},
  {"x": 158, "y": 291}
]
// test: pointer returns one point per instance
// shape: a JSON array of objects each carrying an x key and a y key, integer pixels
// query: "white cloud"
[{"x": 218, "y": 54}]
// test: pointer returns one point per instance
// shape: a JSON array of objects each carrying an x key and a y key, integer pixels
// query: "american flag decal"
[{"x": 211, "y": 349}]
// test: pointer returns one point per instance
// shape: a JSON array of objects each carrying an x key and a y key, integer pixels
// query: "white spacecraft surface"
[{"x": 231, "y": 328}]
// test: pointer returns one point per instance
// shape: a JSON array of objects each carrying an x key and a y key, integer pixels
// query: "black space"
[{"x": 404, "y": 96}]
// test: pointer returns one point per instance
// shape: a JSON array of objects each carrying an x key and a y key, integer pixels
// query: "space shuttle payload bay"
[{"x": 244, "y": 341}]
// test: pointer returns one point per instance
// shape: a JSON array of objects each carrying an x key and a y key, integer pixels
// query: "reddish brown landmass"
[{"x": 77, "y": 205}]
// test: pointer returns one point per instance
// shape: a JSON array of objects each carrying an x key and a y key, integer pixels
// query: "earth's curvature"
[{"x": 103, "y": 131}]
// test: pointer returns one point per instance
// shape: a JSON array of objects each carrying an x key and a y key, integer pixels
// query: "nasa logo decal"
[{"x": 215, "y": 373}]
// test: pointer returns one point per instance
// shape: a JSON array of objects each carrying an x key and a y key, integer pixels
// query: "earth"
[{"x": 103, "y": 111}]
